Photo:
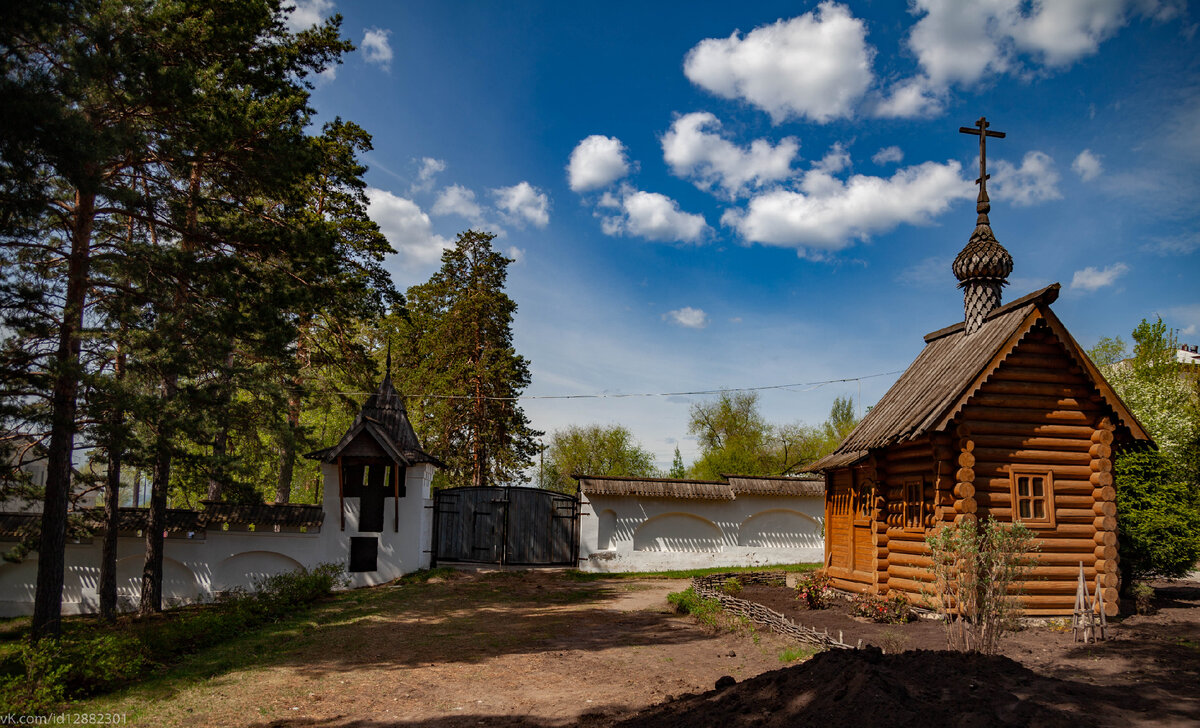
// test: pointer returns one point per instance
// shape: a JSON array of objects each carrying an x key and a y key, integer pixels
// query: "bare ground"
[
  {"x": 479, "y": 649},
  {"x": 541, "y": 649}
]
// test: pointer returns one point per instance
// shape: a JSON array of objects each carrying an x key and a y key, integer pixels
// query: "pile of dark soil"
[{"x": 867, "y": 688}]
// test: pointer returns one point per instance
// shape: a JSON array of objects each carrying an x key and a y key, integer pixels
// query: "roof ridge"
[
  {"x": 581, "y": 476},
  {"x": 1046, "y": 296}
]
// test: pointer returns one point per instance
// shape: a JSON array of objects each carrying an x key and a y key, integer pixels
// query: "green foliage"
[
  {"x": 1153, "y": 384},
  {"x": 104, "y": 658},
  {"x": 1108, "y": 351},
  {"x": 594, "y": 450},
  {"x": 735, "y": 439},
  {"x": 732, "y": 587},
  {"x": 1159, "y": 514},
  {"x": 678, "y": 469},
  {"x": 703, "y": 610},
  {"x": 1143, "y": 597},
  {"x": 813, "y": 590},
  {"x": 457, "y": 356},
  {"x": 974, "y": 567},
  {"x": 892, "y": 609}
]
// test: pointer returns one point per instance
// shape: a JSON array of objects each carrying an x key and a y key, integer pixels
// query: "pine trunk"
[
  {"x": 47, "y": 605},
  {"x": 112, "y": 503}
]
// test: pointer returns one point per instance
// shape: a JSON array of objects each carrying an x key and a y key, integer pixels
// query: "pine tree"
[
  {"x": 461, "y": 367},
  {"x": 678, "y": 469}
]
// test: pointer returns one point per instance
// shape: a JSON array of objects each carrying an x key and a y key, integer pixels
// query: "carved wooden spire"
[{"x": 983, "y": 266}]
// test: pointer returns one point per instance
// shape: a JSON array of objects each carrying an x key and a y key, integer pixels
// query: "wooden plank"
[
  {"x": 1010, "y": 442},
  {"x": 1030, "y": 401},
  {"x": 1021, "y": 415},
  {"x": 1032, "y": 456}
]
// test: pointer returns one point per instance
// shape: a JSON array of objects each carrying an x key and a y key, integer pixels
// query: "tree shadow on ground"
[{"x": 593, "y": 719}]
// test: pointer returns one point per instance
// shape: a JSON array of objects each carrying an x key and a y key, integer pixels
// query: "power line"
[{"x": 790, "y": 387}]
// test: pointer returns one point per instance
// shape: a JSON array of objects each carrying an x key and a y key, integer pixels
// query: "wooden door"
[
  {"x": 864, "y": 543},
  {"x": 840, "y": 521}
]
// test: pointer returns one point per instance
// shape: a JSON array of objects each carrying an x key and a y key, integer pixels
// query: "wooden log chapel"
[{"x": 1001, "y": 415}]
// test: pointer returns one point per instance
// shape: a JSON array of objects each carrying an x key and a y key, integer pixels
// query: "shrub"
[
  {"x": 973, "y": 568},
  {"x": 892, "y": 609},
  {"x": 689, "y": 602},
  {"x": 813, "y": 590},
  {"x": 732, "y": 587},
  {"x": 1159, "y": 513},
  {"x": 76, "y": 666},
  {"x": 1143, "y": 597}
]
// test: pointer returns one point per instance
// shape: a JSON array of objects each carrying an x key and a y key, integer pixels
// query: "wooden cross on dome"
[{"x": 981, "y": 130}]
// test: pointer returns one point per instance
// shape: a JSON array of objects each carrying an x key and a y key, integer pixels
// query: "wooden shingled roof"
[
  {"x": 803, "y": 484},
  {"x": 701, "y": 489},
  {"x": 654, "y": 487},
  {"x": 950, "y": 369},
  {"x": 384, "y": 418}
]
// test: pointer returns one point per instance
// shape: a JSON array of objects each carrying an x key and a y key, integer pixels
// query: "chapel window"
[{"x": 1032, "y": 496}]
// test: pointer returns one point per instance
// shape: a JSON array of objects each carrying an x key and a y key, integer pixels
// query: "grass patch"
[
  {"x": 576, "y": 575},
  {"x": 92, "y": 657},
  {"x": 421, "y": 576},
  {"x": 703, "y": 610},
  {"x": 795, "y": 654}
]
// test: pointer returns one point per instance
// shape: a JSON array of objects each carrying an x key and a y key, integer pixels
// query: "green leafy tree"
[
  {"x": 595, "y": 450},
  {"x": 678, "y": 469},
  {"x": 1152, "y": 383},
  {"x": 1159, "y": 514},
  {"x": 733, "y": 437},
  {"x": 459, "y": 363}
]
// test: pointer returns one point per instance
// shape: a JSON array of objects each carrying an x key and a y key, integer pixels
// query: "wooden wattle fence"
[{"x": 712, "y": 587}]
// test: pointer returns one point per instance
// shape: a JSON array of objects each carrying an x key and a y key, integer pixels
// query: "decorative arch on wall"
[
  {"x": 248, "y": 567},
  {"x": 179, "y": 582},
  {"x": 607, "y": 523},
  {"x": 678, "y": 532},
  {"x": 780, "y": 528}
]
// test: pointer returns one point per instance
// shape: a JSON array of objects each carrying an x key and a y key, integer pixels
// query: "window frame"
[
  {"x": 908, "y": 503},
  {"x": 1030, "y": 471}
]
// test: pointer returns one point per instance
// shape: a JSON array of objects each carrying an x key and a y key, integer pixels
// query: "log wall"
[
  {"x": 905, "y": 565},
  {"x": 1040, "y": 409}
]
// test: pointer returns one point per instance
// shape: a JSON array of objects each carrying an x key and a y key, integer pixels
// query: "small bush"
[
  {"x": 892, "y": 641},
  {"x": 77, "y": 666},
  {"x": 1159, "y": 512},
  {"x": 689, "y": 602},
  {"x": 1143, "y": 597},
  {"x": 732, "y": 587},
  {"x": 892, "y": 609},
  {"x": 973, "y": 567},
  {"x": 813, "y": 590}
]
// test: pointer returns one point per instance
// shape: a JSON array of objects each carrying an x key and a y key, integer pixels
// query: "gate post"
[
  {"x": 504, "y": 529},
  {"x": 435, "y": 531}
]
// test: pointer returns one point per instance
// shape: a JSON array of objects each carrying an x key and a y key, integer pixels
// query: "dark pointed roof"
[
  {"x": 384, "y": 418},
  {"x": 950, "y": 369}
]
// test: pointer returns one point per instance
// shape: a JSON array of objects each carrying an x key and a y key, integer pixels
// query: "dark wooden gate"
[{"x": 508, "y": 526}]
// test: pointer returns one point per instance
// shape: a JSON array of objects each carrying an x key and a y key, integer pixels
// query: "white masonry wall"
[
  {"x": 634, "y": 533},
  {"x": 196, "y": 569}
]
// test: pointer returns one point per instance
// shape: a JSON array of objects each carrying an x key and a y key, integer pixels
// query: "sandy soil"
[{"x": 481, "y": 649}]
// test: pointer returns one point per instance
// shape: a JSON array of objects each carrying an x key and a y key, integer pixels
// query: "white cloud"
[
  {"x": 692, "y": 318},
  {"x": 827, "y": 214},
  {"x": 653, "y": 216},
  {"x": 458, "y": 200},
  {"x": 407, "y": 228},
  {"x": 695, "y": 149},
  {"x": 1091, "y": 278},
  {"x": 596, "y": 162},
  {"x": 1087, "y": 165},
  {"x": 888, "y": 155},
  {"x": 910, "y": 98},
  {"x": 816, "y": 66},
  {"x": 376, "y": 48},
  {"x": 430, "y": 168},
  {"x": 961, "y": 41},
  {"x": 306, "y": 13},
  {"x": 517, "y": 254},
  {"x": 1036, "y": 180},
  {"x": 834, "y": 161},
  {"x": 523, "y": 203}
]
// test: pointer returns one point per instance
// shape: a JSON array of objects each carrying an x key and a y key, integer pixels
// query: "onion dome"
[{"x": 983, "y": 257}]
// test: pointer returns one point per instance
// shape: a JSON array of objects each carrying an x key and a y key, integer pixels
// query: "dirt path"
[{"x": 480, "y": 649}]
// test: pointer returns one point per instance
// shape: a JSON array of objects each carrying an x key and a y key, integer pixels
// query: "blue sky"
[{"x": 711, "y": 195}]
